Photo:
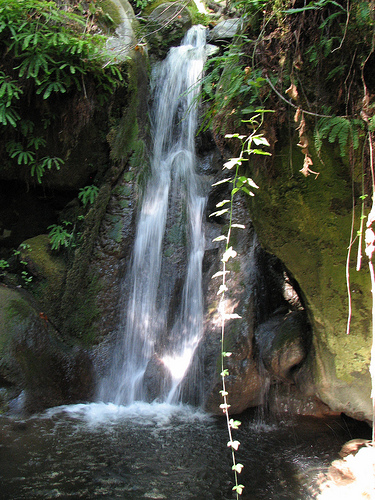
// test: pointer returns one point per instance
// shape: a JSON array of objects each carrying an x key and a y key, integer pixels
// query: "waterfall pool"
[{"x": 160, "y": 451}]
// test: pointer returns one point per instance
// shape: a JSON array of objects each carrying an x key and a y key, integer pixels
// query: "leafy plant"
[
  {"x": 340, "y": 129},
  {"x": 141, "y": 4},
  {"x": 314, "y": 5},
  {"x": 249, "y": 145},
  {"x": 3, "y": 264},
  {"x": 88, "y": 194},
  {"x": 46, "y": 50},
  {"x": 230, "y": 85},
  {"x": 60, "y": 236}
]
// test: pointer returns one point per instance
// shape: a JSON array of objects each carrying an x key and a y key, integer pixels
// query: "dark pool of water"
[{"x": 163, "y": 452}]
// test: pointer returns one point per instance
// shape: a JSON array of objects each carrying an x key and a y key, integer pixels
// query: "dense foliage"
[
  {"x": 46, "y": 51},
  {"x": 306, "y": 61}
]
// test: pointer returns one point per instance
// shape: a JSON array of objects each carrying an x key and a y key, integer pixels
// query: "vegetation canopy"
[{"x": 46, "y": 51}]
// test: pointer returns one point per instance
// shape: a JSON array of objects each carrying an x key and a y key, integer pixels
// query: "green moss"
[
  {"x": 152, "y": 6},
  {"x": 81, "y": 323},
  {"x": 111, "y": 17},
  {"x": 116, "y": 222},
  {"x": 78, "y": 304},
  {"x": 306, "y": 222},
  {"x": 48, "y": 269},
  {"x": 196, "y": 16}
]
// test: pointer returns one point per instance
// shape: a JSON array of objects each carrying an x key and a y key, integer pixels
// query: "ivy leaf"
[
  {"x": 260, "y": 140},
  {"x": 224, "y": 407},
  {"x": 220, "y": 238},
  {"x": 234, "y": 424},
  {"x": 233, "y": 444},
  {"x": 222, "y": 203},
  {"x": 231, "y": 163},
  {"x": 238, "y": 488},
  {"x": 222, "y": 289},
  {"x": 221, "y": 182},
  {"x": 219, "y": 273},
  {"x": 231, "y": 136},
  {"x": 228, "y": 254},
  {"x": 219, "y": 212},
  {"x": 237, "y": 467}
]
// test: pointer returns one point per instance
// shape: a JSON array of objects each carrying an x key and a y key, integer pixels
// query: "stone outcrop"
[
  {"x": 166, "y": 26},
  {"x": 306, "y": 222},
  {"x": 35, "y": 365}
]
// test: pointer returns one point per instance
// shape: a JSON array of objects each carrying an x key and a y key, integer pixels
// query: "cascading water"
[
  {"x": 173, "y": 186},
  {"x": 142, "y": 450}
]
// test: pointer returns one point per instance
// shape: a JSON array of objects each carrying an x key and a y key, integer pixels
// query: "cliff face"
[
  {"x": 289, "y": 283},
  {"x": 296, "y": 62},
  {"x": 307, "y": 223}
]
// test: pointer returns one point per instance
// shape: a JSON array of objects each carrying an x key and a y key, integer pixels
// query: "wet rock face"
[
  {"x": 157, "y": 379},
  {"x": 33, "y": 360},
  {"x": 283, "y": 343},
  {"x": 306, "y": 222},
  {"x": 168, "y": 23},
  {"x": 271, "y": 340}
]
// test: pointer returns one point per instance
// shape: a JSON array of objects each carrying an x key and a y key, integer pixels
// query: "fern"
[{"x": 338, "y": 129}]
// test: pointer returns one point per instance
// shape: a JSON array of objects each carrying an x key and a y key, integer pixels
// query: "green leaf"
[
  {"x": 245, "y": 190},
  {"x": 228, "y": 254},
  {"x": 232, "y": 162},
  {"x": 238, "y": 488},
  {"x": 233, "y": 444},
  {"x": 260, "y": 140},
  {"x": 232, "y": 316},
  {"x": 219, "y": 212},
  {"x": 222, "y": 203},
  {"x": 224, "y": 406},
  {"x": 218, "y": 274},
  {"x": 237, "y": 467},
  {"x": 234, "y": 424},
  {"x": 221, "y": 182},
  {"x": 220, "y": 238},
  {"x": 222, "y": 289}
]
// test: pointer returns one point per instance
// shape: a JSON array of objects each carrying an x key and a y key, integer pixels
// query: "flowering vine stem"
[{"x": 245, "y": 184}]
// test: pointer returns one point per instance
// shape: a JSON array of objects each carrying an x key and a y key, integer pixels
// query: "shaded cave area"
[{"x": 27, "y": 211}]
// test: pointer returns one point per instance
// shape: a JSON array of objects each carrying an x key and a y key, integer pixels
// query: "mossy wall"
[{"x": 307, "y": 223}]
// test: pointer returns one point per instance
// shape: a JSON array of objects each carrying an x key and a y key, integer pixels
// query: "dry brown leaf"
[
  {"x": 302, "y": 126},
  {"x": 297, "y": 115},
  {"x": 306, "y": 170},
  {"x": 303, "y": 142},
  {"x": 292, "y": 92}
]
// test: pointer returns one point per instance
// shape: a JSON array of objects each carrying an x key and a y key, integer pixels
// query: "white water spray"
[{"x": 173, "y": 186}]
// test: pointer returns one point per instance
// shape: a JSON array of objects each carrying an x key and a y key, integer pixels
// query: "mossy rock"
[
  {"x": 34, "y": 360},
  {"x": 48, "y": 269},
  {"x": 167, "y": 25},
  {"x": 14, "y": 316},
  {"x": 306, "y": 222}
]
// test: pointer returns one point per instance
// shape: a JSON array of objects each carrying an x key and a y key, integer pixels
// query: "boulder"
[
  {"x": 157, "y": 379},
  {"x": 306, "y": 222},
  {"x": 283, "y": 343},
  {"x": 225, "y": 30},
  {"x": 33, "y": 360},
  {"x": 167, "y": 25}
]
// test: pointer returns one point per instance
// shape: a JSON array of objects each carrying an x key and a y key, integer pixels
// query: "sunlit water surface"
[{"x": 162, "y": 452}]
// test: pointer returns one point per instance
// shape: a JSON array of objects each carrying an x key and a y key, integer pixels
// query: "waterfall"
[{"x": 173, "y": 187}]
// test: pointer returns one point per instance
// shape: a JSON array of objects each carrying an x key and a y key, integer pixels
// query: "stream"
[{"x": 161, "y": 451}]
